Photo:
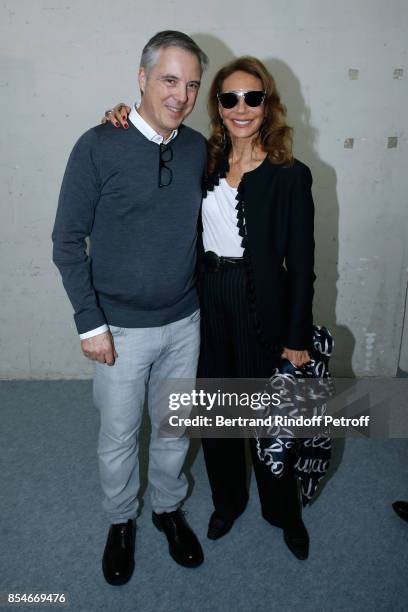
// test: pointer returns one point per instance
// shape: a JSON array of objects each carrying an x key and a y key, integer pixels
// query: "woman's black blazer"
[{"x": 275, "y": 214}]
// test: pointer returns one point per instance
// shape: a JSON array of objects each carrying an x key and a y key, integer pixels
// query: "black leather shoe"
[
  {"x": 118, "y": 558},
  {"x": 401, "y": 508},
  {"x": 184, "y": 546},
  {"x": 218, "y": 526},
  {"x": 297, "y": 540}
]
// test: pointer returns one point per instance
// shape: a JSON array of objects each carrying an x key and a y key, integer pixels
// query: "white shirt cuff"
[{"x": 94, "y": 332}]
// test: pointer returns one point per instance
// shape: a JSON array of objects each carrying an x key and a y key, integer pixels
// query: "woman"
[{"x": 256, "y": 286}]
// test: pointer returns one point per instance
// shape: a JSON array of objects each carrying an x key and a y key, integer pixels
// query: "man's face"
[{"x": 170, "y": 89}]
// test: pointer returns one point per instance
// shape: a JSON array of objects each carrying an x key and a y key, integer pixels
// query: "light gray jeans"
[{"x": 146, "y": 356}]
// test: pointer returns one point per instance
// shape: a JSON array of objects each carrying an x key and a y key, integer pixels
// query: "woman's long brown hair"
[{"x": 275, "y": 137}]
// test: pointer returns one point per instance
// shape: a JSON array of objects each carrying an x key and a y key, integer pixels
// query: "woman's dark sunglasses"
[{"x": 229, "y": 99}]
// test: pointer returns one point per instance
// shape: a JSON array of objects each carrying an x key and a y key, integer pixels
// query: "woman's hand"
[
  {"x": 297, "y": 358},
  {"x": 118, "y": 115}
]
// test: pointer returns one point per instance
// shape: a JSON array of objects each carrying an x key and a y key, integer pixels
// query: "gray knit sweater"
[{"x": 140, "y": 271}]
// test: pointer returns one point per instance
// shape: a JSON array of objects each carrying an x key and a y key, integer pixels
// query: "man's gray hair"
[{"x": 170, "y": 38}]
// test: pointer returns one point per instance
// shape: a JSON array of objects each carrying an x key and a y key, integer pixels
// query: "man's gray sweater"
[{"x": 140, "y": 271}]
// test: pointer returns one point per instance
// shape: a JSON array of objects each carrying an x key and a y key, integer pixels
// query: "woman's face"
[{"x": 242, "y": 121}]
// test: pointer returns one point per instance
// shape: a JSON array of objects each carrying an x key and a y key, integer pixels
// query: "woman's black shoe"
[
  {"x": 297, "y": 540},
  {"x": 401, "y": 508},
  {"x": 218, "y": 526},
  {"x": 184, "y": 546},
  {"x": 118, "y": 558}
]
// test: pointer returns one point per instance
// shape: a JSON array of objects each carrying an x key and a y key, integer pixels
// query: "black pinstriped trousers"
[{"x": 230, "y": 349}]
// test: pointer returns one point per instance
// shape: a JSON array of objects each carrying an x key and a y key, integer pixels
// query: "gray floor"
[{"x": 52, "y": 529}]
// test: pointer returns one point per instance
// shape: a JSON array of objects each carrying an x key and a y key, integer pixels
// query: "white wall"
[{"x": 64, "y": 62}]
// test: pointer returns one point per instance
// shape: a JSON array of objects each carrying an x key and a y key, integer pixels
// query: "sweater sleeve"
[
  {"x": 300, "y": 261},
  {"x": 78, "y": 198}
]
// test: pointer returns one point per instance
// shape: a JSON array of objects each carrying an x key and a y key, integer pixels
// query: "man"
[{"x": 137, "y": 195}]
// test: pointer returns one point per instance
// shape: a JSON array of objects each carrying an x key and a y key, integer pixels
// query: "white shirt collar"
[{"x": 147, "y": 129}]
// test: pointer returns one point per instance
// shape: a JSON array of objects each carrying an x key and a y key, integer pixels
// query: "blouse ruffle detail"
[{"x": 242, "y": 229}]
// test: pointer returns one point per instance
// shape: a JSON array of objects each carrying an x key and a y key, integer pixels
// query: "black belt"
[{"x": 212, "y": 262}]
